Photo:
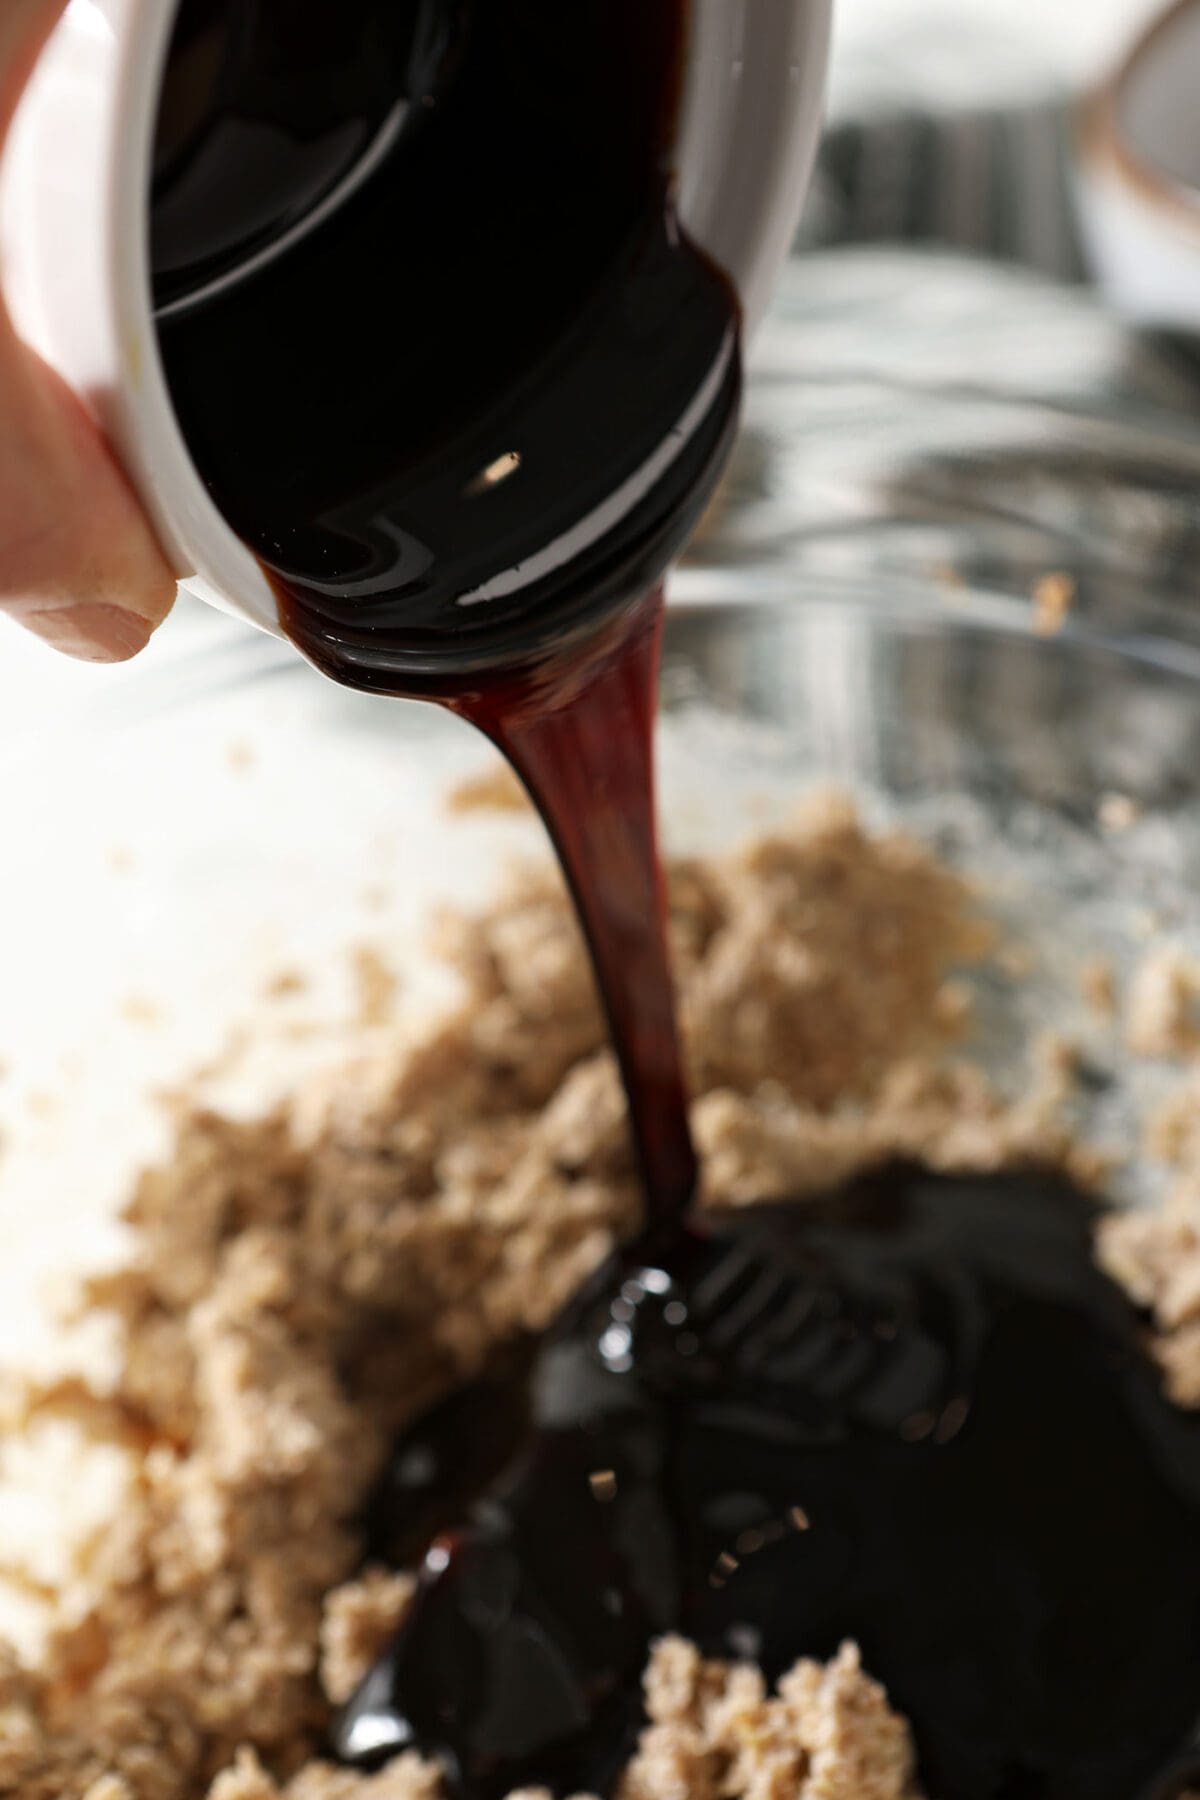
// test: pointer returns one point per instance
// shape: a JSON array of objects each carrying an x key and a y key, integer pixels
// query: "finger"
[{"x": 79, "y": 562}]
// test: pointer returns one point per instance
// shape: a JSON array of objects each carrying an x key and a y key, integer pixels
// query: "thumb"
[{"x": 79, "y": 562}]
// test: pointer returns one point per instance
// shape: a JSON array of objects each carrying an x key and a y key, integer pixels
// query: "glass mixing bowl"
[{"x": 924, "y": 441}]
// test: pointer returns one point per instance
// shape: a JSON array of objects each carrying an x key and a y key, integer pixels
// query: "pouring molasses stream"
[{"x": 535, "y": 389}]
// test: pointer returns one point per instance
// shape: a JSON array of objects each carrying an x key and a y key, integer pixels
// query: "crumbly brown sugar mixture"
[
  {"x": 712, "y": 1731},
  {"x": 307, "y": 1281}
]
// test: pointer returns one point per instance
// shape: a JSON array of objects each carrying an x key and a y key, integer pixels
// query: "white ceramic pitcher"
[{"x": 74, "y": 190}]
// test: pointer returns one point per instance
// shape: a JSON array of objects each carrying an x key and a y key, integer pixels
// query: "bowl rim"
[{"x": 1103, "y": 140}]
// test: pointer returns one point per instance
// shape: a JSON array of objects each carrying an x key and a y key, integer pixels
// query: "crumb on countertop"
[
  {"x": 142, "y": 1009},
  {"x": 1098, "y": 985},
  {"x": 1053, "y": 598},
  {"x": 375, "y": 985},
  {"x": 239, "y": 756},
  {"x": 1163, "y": 1008},
  {"x": 497, "y": 789},
  {"x": 1117, "y": 813},
  {"x": 949, "y": 578},
  {"x": 1016, "y": 961},
  {"x": 285, "y": 984}
]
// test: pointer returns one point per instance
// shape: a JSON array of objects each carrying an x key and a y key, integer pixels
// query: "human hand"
[{"x": 79, "y": 561}]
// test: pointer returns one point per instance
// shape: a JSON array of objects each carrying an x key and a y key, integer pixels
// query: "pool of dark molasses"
[
  {"x": 918, "y": 1416},
  {"x": 464, "y": 417}
]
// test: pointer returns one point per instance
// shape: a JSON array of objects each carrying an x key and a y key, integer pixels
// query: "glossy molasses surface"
[{"x": 920, "y": 1418}]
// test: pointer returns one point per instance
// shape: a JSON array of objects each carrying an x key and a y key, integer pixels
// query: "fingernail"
[{"x": 93, "y": 631}]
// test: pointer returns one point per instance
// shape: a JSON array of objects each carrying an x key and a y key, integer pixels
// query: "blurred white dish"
[{"x": 1138, "y": 174}]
